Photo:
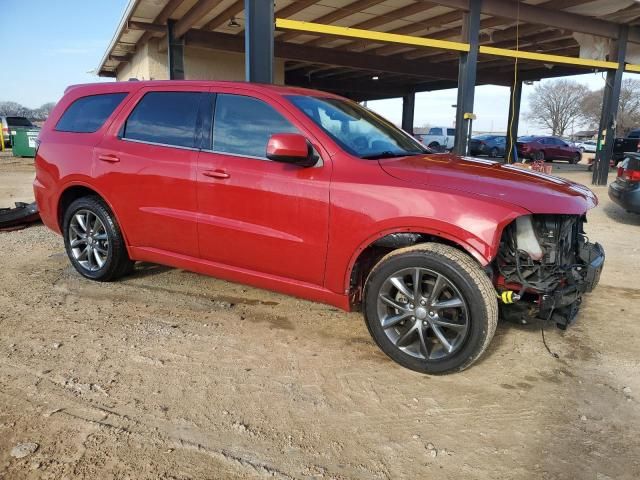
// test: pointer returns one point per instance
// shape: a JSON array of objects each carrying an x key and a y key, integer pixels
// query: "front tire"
[
  {"x": 431, "y": 308},
  {"x": 93, "y": 240},
  {"x": 493, "y": 153},
  {"x": 575, "y": 159}
]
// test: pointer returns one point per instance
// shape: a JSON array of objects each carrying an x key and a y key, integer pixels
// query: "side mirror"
[{"x": 291, "y": 148}]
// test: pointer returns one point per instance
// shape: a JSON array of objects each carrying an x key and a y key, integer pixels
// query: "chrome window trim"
[{"x": 146, "y": 142}]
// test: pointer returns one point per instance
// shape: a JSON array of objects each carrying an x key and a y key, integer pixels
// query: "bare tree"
[
  {"x": 557, "y": 105},
  {"x": 628, "y": 108},
  {"x": 14, "y": 109}
]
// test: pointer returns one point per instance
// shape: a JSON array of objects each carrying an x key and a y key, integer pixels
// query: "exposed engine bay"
[{"x": 548, "y": 261}]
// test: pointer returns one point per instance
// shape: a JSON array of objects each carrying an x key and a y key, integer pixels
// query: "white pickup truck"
[{"x": 439, "y": 138}]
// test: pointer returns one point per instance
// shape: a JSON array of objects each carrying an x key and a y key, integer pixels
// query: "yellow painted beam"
[
  {"x": 632, "y": 68},
  {"x": 547, "y": 58},
  {"x": 319, "y": 28}
]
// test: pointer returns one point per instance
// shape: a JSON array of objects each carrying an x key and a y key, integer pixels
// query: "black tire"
[
  {"x": 117, "y": 261},
  {"x": 540, "y": 156},
  {"x": 575, "y": 159},
  {"x": 493, "y": 153},
  {"x": 435, "y": 146},
  {"x": 465, "y": 275}
]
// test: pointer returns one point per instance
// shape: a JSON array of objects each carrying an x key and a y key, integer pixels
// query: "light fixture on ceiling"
[
  {"x": 375, "y": 77},
  {"x": 233, "y": 23}
]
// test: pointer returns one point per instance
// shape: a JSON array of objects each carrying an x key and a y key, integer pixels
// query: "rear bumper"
[{"x": 627, "y": 196}]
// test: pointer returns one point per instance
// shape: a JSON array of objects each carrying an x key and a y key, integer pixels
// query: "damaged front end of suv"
[{"x": 544, "y": 266}]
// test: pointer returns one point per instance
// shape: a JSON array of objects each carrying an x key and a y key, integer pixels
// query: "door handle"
[
  {"x": 216, "y": 174},
  {"x": 109, "y": 157}
]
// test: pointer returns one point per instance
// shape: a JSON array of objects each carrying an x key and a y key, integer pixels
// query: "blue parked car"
[{"x": 491, "y": 145}]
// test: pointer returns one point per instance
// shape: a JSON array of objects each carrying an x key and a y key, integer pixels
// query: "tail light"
[
  {"x": 620, "y": 171},
  {"x": 631, "y": 175},
  {"x": 638, "y": 146}
]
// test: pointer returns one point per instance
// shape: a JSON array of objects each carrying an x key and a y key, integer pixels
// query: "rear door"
[
  {"x": 548, "y": 146},
  {"x": 451, "y": 137},
  {"x": 146, "y": 167},
  {"x": 256, "y": 214}
]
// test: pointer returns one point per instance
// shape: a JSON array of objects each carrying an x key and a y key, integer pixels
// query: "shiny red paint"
[
  {"x": 287, "y": 146},
  {"x": 277, "y": 225}
]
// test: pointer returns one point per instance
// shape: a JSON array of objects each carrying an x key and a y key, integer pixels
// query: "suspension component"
[{"x": 508, "y": 297}]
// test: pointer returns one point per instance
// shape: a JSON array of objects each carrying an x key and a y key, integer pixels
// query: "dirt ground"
[{"x": 172, "y": 375}]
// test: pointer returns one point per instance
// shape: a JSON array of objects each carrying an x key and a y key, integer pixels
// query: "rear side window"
[
  {"x": 165, "y": 118},
  {"x": 242, "y": 125},
  {"x": 88, "y": 114}
]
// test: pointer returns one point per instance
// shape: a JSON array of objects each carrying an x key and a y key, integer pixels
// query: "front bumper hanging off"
[{"x": 562, "y": 305}]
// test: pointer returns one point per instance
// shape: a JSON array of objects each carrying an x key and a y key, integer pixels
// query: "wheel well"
[
  {"x": 68, "y": 196},
  {"x": 371, "y": 255}
]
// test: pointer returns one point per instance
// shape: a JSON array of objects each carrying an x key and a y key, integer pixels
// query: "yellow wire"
[{"x": 515, "y": 81}]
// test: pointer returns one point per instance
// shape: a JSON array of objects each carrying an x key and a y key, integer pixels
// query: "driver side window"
[{"x": 242, "y": 125}]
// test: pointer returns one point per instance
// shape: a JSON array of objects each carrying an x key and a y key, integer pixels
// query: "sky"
[
  {"x": 52, "y": 45},
  {"x": 49, "y": 45}
]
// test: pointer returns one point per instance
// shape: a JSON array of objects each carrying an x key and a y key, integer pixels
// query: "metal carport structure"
[{"x": 374, "y": 49}]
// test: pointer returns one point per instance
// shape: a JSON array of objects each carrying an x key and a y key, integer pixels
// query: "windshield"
[{"x": 357, "y": 130}]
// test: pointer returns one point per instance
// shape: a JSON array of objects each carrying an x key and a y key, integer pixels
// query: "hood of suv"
[{"x": 536, "y": 192}]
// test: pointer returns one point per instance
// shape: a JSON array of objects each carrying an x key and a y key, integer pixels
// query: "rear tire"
[
  {"x": 441, "y": 326},
  {"x": 93, "y": 240},
  {"x": 493, "y": 153}
]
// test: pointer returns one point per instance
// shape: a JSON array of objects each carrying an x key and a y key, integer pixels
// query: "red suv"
[{"x": 310, "y": 194}]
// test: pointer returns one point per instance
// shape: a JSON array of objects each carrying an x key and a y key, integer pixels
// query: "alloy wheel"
[
  {"x": 423, "y": 313},
  {"x": 88, "y": 240}
]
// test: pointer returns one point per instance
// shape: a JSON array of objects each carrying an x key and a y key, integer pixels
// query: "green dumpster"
[{"x": 23, "y": 141}]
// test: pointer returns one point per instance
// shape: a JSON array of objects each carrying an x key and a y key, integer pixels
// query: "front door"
[
  {"x": 257, "y": 214},
  {"x": 146, "y": 167}
]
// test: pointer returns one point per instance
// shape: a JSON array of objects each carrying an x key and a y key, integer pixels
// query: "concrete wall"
[{"x": 200, "y": 64}]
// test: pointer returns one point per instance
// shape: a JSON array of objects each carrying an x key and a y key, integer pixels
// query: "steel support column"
[
  {"x": 408, "y": 109},
  {"x": 607, "y": 127},
  {"x": 467, "y": 75},
  {"x": 258, "y": 40},
  {"x": 175, "y": 53},
  {"x": 513, "y": 121}
]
